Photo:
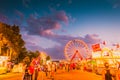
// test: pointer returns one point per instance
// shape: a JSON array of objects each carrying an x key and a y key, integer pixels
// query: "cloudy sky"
[{"x": 48, "y": 25}]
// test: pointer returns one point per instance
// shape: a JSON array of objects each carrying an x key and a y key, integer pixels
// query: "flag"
[
  {"x": 104, "y": 43},
  {"x": 96, "y": 47},
  {"x": 117, "y": 45}
]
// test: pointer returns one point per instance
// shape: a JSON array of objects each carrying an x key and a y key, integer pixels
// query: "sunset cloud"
[
  {"x": 56, "y": 48},
  {"x": 46, "y": 24}
]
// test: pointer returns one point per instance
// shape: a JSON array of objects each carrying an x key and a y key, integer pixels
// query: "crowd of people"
[{"x": 36, "y": 71}]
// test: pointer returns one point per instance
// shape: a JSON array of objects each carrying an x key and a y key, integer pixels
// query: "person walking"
[
  {"x": 27, "y": 75},
  {"x": 49, "y": 66},
  {"x": 53, "y": 66},
  {"x": 31, "y": 70},
  {"x": 106, "y": 74}
]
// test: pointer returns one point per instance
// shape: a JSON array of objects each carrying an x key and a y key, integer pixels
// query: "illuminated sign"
[
  {"x": 116, "y": 54},
  {"x": 96, "y": 54},
  {"x": 105, "y": 53}
]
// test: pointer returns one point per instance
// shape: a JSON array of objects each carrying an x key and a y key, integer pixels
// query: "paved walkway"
[
  {"x": 60, "y": 75},
  {"x": 77, "y": 75},
  {"x": 10, "y": 75},
  {"x": 74, "y": 75}
]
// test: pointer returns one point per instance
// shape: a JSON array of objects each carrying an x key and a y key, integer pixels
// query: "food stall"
[{"x": 106, "y": 55}]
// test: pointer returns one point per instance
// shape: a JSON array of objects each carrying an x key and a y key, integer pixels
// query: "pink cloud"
[
  {"x": 40, "y": 25},
  {"x": 63, "y": 30},
  {"x": 58, "y": 51},
  {"x": 61, "y": 15}
]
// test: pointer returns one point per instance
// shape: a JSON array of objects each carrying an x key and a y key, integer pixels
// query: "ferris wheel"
[{"x": 76, "y": 49}]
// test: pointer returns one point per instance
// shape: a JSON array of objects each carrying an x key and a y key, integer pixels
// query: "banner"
[{"x": 96, "y": 47}]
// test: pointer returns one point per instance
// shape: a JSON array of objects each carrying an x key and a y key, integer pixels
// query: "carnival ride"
[{"x": 76, "y": 50}]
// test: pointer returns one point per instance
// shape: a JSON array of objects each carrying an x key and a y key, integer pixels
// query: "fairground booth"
[{"x": 105, "y": 54}]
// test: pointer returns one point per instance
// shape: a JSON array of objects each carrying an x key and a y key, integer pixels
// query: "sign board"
[{"x": 96, "y": 54}]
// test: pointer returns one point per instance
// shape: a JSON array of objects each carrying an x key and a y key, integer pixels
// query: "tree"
[
  {"x": 48, "y": 58},
  {"x": 26, "y": 60},
  {"x": 14, "y": 40},
  {"x": 22, "y": 55},
  {"x": 31, "y": 55},
  {"x": 36, "y": 54}
]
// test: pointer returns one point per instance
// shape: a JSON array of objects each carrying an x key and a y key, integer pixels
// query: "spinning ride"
[{"x": 77, "y": 50}]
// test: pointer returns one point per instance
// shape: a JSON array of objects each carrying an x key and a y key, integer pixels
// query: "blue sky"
[{"x": 47, "y": 25}]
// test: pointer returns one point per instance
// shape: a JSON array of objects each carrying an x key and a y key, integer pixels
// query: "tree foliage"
[
  {"x": 32, "y": 54},
  {"x": 14, "y": 40},
  {"x": 48, "y": 58}
]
